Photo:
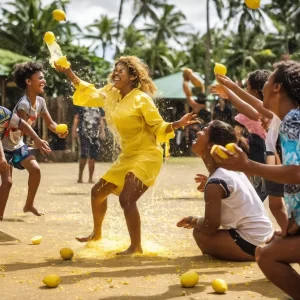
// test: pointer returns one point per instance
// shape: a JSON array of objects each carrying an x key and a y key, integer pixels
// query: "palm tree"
[
  {"x": 24, "y": 23},
  {"x": 285, "y": 15},
  {"x": 169, "y": 25},
  {"x": 102, "y": 30},
  {"x": 145, "y": 8},
  {"x": 119, "y": 23},
  {"x": 219, "y": 6}
]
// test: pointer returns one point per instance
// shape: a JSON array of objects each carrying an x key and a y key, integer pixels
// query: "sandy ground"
[{"x": 96, "y": 272}]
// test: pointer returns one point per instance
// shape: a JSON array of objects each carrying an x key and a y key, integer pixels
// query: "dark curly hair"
[
  {"x": 222, "y": 133},
  {"x": 287, "y": 73},
  {"x": 25, "y": 71},
  {"x": 257, "y": 80}
]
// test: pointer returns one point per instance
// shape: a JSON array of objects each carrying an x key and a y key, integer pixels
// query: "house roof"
[
  {"x": 170, "y": 87},
  {"x": 8, "y": 59}
]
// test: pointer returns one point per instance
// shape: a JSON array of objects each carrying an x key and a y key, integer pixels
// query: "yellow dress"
[{"x": 139, "y": 127}]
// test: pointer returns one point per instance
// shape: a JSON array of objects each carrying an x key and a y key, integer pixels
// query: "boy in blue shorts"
[{"x": 29, "y": 77}]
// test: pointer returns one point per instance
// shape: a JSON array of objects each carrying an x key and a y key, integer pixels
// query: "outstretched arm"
[
  {"x": 243, "y": 107},
  {"x": 240, "y": 162},
  {"x": 3, "y": 162},
  {"x": 251, "y": 100}
]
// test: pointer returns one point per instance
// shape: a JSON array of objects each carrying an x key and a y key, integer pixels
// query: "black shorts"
[
  {"x": 273, "y": 188},
  {"x": 243, "y": 244},
  {"x": 89, "y": 147}
]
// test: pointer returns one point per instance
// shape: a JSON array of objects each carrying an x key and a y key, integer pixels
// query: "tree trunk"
[
  {"x": 119, "y": 23},
  {"x": 208, "y": 49}
]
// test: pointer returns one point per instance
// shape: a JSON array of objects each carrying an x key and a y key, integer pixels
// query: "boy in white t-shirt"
[
  {"x": 235, "y": 221},
  {"x": 29, "y": 77},
  {"x": 8, "y": 121}
]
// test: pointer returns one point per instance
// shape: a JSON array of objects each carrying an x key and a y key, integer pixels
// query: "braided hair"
[
  {"x": 287, "y": 73},
  {"x": 257, "y": 80}
]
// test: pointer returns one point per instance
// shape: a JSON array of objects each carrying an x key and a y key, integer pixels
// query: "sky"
[{"x": 84, "y": 12}]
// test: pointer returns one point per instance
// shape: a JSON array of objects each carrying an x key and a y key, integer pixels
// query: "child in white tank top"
[{"x": 235, "y": 221}]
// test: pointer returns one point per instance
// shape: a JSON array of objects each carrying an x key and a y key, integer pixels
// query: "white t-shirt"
[
  {"x": 242, "y": 208},
  {"x": 14, "y": 139}
]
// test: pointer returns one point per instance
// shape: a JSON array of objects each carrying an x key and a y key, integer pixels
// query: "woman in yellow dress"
[{"x": 139, "y": 128}]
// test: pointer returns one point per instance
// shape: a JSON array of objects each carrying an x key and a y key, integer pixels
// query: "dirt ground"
[{"x": 96, "y": 272}]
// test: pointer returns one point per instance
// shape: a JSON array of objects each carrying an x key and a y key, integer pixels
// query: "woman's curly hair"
[
  {"x": 25, "y": 71},
  {"x": 139, "y": 69},
  {"x": 287, "y": 73}
]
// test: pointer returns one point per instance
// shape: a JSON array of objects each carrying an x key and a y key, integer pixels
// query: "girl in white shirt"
[{"x": 235, "y": 221}]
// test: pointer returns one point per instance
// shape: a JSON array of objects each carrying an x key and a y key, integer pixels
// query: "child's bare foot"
[
  {"x": 79, "y": 181},
  {"x": 91, "y": 237},
  {"x": 33, "y": 210},
  {"x": 91, "y": 181},
  {"x": 131, "y": 250}
]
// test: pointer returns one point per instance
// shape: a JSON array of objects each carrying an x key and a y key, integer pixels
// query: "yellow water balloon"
[
  {"x": 51, "y": 280},
  {"x": 59, "y": 15},
  {"x": 61, "y": 128},
  {"x": 36, "y": 240},
  {"x": 231, "y": 147},
  {"x": 63, "y": 62},
  {"x": 220, "y": 286},
  {"x": 252, "y": 4},
  {"x": 216, "y": 149},
  {"x": 66, "y": 253},
  {"x": 49, "y": 37},
  {"x": 220, "y": 69},
  {"x": 189, "y": 279}
]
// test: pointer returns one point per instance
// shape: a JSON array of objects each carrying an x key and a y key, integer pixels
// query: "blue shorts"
[
  {"x": 15, "y": 157},
  {"x": 89, "y": 147}
]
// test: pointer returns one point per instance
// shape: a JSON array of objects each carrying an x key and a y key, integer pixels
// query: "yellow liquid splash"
[{"x": 57, "y": 55}]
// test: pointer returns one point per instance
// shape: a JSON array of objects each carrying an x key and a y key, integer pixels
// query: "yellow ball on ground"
[
  {"x": 220, "y": 286},
  {"x": 36, "y": 240},
  {"x": 189, "y": 279},
  {"x": 49, "y": 37},
  {"x": 51, "y": 280},
  {"x": 59, "y": 15},
  {"x": 63, "y": 62},
  {"x": 252, "y": 4},
  {"x": 231, "y": 147},
  {"x": 220, "y": 69},
  {"x": 61, "y": 128},
  {"x": 66, "y": 253},
  {"x": 216, "y": 149}
]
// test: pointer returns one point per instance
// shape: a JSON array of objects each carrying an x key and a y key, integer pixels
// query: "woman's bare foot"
[
  {"x": 33, "y": 210},
  {"x": 91, "y": 237},
  {"x": 131, "y": 250},
  {"x": 91, "y": 181},
  {"x": 79, "y": 181}
]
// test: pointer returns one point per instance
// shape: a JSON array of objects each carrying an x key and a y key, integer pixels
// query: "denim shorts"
[{"x": 15, "y": 157}]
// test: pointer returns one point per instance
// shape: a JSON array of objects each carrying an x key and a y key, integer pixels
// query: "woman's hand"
[
  {"x": 220, "y": 90},
  {"x": 188, "y": 119},
  {"x": 226, "y": 81},
  {"x": 60, "y": 68},
  {"x": 202, "y": 179}
]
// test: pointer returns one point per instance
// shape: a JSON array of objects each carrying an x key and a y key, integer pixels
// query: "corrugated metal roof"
[{"x": 170, "y": 87}]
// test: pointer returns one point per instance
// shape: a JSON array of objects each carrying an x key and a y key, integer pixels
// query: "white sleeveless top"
[{"x": 242, "y": 208}]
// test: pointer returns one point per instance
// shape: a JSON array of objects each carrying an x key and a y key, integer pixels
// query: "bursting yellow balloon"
[
  {"x": 231, "y": 147},
  {"x": 220, "y": 69},
  {"x": 49, "y": 37},
  {"x": 63, "y": 62},
  {"x": 252, "y": 4},
  {"x": 59, "y": 15},
  {"x": 61, "y": 128}
]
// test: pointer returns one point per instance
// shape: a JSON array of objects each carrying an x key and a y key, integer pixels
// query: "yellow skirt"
[{"x": 144, "y": 164}]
